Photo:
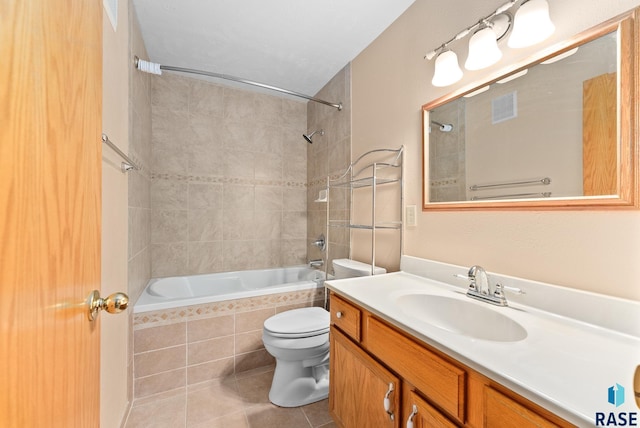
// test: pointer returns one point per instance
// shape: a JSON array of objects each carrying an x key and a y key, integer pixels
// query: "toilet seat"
[{"x": 298, "y": 323}]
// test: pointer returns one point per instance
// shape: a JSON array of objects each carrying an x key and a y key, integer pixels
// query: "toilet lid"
[{"x": 298, "y": 323}]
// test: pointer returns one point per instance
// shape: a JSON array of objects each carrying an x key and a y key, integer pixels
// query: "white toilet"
[{"x": 299, "y": 341}]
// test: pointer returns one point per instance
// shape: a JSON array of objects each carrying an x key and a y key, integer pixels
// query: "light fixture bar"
[
  {"x": 531, "y": 24},
  {"x": 466, "y": 31}
]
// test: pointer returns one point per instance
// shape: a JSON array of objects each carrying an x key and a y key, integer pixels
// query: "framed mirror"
[{"x": 560, "y": 132}]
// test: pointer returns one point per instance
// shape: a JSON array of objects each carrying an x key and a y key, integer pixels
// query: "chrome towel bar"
[
  {"x": 545, "y": 181},
  {"x": 128, "y": 164}
]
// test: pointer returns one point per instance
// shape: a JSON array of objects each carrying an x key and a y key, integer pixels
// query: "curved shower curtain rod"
[{"x": 153, "y": 68}]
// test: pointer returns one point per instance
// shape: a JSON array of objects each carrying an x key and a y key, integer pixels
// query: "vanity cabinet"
[
  {"x": 420, "y": 414},
  {"x": 360, "y": 386},
  {"x": 503, "y": 411},
  {"x": 371, "y": 360}
]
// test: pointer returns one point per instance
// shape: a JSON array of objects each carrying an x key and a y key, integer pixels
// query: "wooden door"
[
  {"x": 358, "y": 387},
  {"x": 599, "y": 136},
  {"x": 50, "y": 205}
]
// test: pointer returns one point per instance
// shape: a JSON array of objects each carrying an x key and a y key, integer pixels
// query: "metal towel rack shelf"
[{"x": 128, "y": 164}]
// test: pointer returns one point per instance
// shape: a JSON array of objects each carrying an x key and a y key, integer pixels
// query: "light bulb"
[
  {"x": 447, "y": 70},
  {"x": 531, "y": 24},
  {"x": 483, "y": 50}
]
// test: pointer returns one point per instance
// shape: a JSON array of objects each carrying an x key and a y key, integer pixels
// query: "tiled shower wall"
[
  {"x": 228, "y": 181},
  {"x": 447, "y": 179},
  {"x": 228, "y": 174},
  {"x": 330, "y": 154}
]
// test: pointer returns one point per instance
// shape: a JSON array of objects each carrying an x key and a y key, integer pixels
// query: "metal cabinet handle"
[
  {"x": 339, "y": 314},
  {"x": 113, "y": 304},
  {"x": 414, "y": 412},
  {"x": 387, "y": 401}
]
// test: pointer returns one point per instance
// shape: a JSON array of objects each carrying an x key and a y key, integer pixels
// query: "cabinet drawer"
[
  {"x": 346, "y": 317},
  {"x": 503, "y": 411},
  {"x": 437, "y": 379}
]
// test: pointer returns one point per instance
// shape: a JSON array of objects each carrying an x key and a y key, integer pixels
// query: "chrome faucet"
[
  {"x": 479, "y": 280},
  {"x": 480, "y": 287},
  {"x": 316, "y": 263}
]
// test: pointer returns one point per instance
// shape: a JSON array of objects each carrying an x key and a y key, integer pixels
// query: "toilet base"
[{"x": 294, "y": 385}]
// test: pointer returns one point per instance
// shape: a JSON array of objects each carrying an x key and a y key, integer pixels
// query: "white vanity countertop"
[{"x": 565, "y": 365}]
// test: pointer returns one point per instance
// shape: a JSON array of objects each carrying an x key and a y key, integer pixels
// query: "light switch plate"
[{"x": 411, "y": 214}]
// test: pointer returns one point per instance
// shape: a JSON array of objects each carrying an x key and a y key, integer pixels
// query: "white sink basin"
[{"x": 462, "y": 317}]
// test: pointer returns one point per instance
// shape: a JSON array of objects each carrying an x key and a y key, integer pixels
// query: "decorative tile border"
[
  {"x": 208, "y": 310},
  {"x": 445, "y": 182}
]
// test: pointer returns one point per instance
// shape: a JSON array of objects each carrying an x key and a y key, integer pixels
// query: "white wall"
[{"x": 589, "y": 250}]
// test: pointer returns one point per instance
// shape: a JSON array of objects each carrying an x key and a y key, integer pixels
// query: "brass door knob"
[{"x": 113, "y": 304}]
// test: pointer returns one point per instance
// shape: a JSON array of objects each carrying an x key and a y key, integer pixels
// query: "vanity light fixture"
[
  {"x": 447, "y": 71},
  {"x": 530, "y": 26},
  {"x": 483, "y": 49}
]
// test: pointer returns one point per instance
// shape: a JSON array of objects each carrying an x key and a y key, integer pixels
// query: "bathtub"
[{"x": 173, "y": 292}]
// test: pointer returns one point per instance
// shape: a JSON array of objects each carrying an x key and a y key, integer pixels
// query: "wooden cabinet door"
[
  {"x": 420, "y": 414},
  {"x": 501, "y": 411},
  {"x": 358, "y": 387}
]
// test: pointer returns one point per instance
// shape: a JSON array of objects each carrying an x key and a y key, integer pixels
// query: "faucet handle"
[
  {"x": 471, "y": 279},
  {"x": 514, "y": 290}
]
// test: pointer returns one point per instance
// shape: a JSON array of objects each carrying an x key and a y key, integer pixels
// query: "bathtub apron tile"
[
  {"x": 248, "y": 342},
  {"x": 159, "y": 337},
  {"x": 210, "y": 350},
  {"x": 154, "y": 362},
  {"x": 252, "y": 320},
  {"x": 253, "y": 360},
  {"x": 210, "y": 370},
  {"x": 209, "y": 328}
]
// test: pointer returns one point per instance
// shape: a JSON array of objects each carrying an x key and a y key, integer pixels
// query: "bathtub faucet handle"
[{"x": 320, "y": 242}]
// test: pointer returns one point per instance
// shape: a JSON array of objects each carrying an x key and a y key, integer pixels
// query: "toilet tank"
[{"x": 347, "y": 268}]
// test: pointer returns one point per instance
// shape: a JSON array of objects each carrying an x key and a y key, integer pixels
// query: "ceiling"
[{"x": 298, "y": 45}]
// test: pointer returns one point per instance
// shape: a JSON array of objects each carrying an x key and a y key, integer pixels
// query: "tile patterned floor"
[{"x": 239, "y": 401}]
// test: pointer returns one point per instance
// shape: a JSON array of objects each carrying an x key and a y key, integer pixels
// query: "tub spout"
[{"x": 316, "y": 263}]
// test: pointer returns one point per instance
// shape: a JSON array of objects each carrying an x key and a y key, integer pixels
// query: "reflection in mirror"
[
  {"x": 528, "y": 131},
  {"x": 550, "y": 134}
]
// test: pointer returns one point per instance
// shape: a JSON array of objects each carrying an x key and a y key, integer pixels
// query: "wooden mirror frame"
[{"x": 628, "y": 188}]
